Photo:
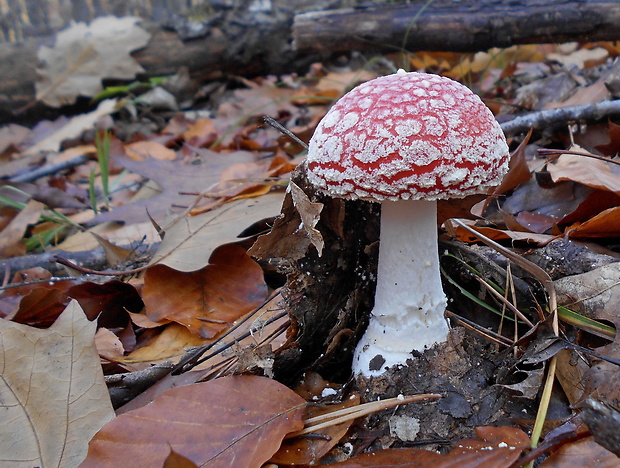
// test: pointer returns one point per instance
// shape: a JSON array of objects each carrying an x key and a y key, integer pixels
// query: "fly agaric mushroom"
[{"x": 406, "y": 140}]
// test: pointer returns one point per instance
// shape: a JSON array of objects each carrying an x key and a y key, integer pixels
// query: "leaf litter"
[{"x": 203, "y": 178}]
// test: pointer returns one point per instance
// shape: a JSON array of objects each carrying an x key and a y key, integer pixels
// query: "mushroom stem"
[{"x": 409, "y": 301}]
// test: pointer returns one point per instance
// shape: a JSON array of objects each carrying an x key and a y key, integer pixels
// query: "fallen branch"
[
  {"x": 287, "y": 41},
  {"x": 561, "y": 116}
]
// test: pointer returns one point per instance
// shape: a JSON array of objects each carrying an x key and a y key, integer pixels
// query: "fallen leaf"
[
  {"x": 518, "y": 170},
  {"x": 172, "y": 341},
  {"x": 143, "y": 150},
  {"x": 11, "y": 136},
  {"x": 604, "y": 224},
  {"x": 11, "y": 237},
  {"x": 585, "y": 452},
  {"x": 108, "y": 345},
  {"x": 310, "y": 214},
  {"x": 53, "y": 394},
  {"x": 85, "y": 54},
  {"x": 173, "y": 178},
  {"x": 114, "y": 254},
  {"x": 497, "y": 447},
  {"x": 73, "y": 128},
  {"x": 189, "y": 242},
  {"x": 503, "y": 235},
  {"x": 206, "y": 301},
  {"x": 233, "y": 421},
  {"x": 174, "y": 460},
  {"x": 587, "y": 171},
  {"x": 108, "y": 303},
  {"x": 304, "y": 450},
  {"x": 399, "y": 457},
  {"x": 201, "y": 132}
]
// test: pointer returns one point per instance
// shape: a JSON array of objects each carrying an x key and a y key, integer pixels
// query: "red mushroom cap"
[{"x": 407, "y": 136}]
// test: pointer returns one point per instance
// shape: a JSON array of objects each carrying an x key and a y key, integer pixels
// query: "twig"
[
  {"x": 347, "y": 414},
  {"x": 561, "y": 116},
  {"x": 474, "y": 327},
  {"x": 193, "y": 357},
  {"x": 278, "y": 126},
  {"x": 557, "y": 152},
  {"x": 49, "y": 169}
]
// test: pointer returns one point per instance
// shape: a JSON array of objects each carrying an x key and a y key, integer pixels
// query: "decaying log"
[
  {"x": 456, "y": 26},
  {"x": 282, "y": 41}
]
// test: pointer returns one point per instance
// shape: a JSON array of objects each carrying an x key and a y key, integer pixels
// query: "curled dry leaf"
[
  {"x": 108, "y": 345},
  {"x": 605, "y": 224},
  {"x": 310, "y": 214},
  {"x": 53, "y": 394},
  {"x": 232, "y": 421},
  {"x": 208, "y": 300}
]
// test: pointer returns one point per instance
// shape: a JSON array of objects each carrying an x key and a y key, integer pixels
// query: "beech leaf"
[
  {"x": 208, "y": 300},
  {"x": 232, "y": 421}
]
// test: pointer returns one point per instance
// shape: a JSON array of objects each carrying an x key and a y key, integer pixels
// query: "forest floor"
[{"x": 164, "y": 302}]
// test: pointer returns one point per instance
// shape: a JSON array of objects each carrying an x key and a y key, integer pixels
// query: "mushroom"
[{"x": 406, "y": 140}]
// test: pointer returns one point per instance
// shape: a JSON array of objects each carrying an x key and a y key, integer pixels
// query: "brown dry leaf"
[
  {"x": 43, "y": 305},
  {"x": 604, "y": 224},
  {"x": 592, "y": 205},
  {"x": 172, "y": 341},
  {"x": 263, "y": 96},
  {"x": 142, "y": 321},
  {"x": 595, "y": 92},
  {"x": 596, "y": 294},
  {"x": 497, "y": 447},
  {"x": 143, "y": 150},
  {"x": 108, "y": 345},
  {"x": 309, "y": 450},
  {"x": 53, "y": 394},
  {"x": 518, "y": 170},
  {"x": 206, "y": 301},
  {"x": 107, "y": 303},
  {"x": 239, "y": 179},
  {"x": 580, "y": 57},
  {"x": 11, "y": 136},
  {"x": 173, "y": 177},
  {"x": 587, "y": 171},
  {"x": 85, "y": 54},
  {"x": 584, "y": 452},
  {"x": 189, "y": 242},
  {"x": 333, "y": 85},
  {"x": 11, "y": 237},
  {"x": 201, "y": 132},
  {"x": 174, "y": 460},
  {"x": 72, "y": 128},
  {"x": 310, "y": 214},
  {"x": 233, "y": 421},
  {"x": 400, "y": 457},
  {"x": 114, "y": 254}
]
